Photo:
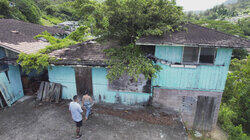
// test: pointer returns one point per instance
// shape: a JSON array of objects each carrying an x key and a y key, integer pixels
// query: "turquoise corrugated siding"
[
  {"x": 65, "y": 76},
  {"x": 101, "y": 91},
  {"x": 13, "y": 89},
  {"x": 172, "y": 54},
  {"x": 203, "y": 77}
]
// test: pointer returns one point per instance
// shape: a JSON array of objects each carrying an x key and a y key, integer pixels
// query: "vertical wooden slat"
[
  {"x": 40, "y": 92},
  {"x": 45, "y": 91}
]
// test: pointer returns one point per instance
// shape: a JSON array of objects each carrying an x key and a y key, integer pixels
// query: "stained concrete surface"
[{"x": 29, "y": 121}]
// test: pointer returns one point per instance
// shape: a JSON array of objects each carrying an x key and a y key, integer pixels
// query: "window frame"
[{"x": 198, "y": 60}]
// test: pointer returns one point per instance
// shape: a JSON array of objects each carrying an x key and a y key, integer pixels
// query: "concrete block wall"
[{"x": 184, "y": 102}]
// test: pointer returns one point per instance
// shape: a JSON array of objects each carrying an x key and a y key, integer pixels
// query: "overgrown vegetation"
[
  {"x": 126, "y": 21},
  {"x": 40, "y": 60},
  {"x": 25, "y": 10},
  {"x": 130, "y": 60},
  {"x": 234, "y": 115}
]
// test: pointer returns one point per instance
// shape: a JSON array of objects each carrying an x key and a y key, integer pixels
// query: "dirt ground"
[{"x": 28, "y": 120}]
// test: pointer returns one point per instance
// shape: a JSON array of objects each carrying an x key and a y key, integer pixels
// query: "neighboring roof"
[
  {"x": 19, "y": 36},
  {"x": 196, "y": 36},
  {"x": 89, "y": 53}
]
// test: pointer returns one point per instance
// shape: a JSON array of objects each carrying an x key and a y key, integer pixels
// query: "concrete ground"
[{"x": 27, "y": 120}]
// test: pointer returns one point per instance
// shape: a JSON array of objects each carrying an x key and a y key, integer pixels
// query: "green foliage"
[
  {"x": 29, "y": 9},
  {"x": 126, "y": 20},
  {"x": 81, "y": 34},
  {"x": 240, "y": 53},
  {"x": 4, "y": 8},
  {"x": 30, "y": 62},
  {"x": 40, "y": 61},
  {"x": 129, "y": 60},
  {"x": 234, "y": 115},
  {"x": 52, "y": 19},
  {"x": 51, "y": 9},
  {"x": 244, "y": 24}
]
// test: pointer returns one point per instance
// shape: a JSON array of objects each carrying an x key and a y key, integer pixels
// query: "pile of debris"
[{"x": 49, "y": 92}]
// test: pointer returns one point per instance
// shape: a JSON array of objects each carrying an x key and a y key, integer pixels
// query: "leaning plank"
[
  {"x": 1, "y": 103},
  {"x": 50, "y": 92},
  {"x": 51, "y": 96},
  {"x": 40, "y": 92},
  {"x": 46, "y": 90},
  {"x": 58, "y": 92}
]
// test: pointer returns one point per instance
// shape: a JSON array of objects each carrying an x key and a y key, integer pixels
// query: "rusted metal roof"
[
  {"x": 86, "y": 53},
  {"x": 196, "y": 35},
  {"x": 18, "y": 36}
]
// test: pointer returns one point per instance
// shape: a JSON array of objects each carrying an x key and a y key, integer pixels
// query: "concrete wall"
[
  {"x": 64, "y": 75},
  {"x": 12, "y": 90},
  {"x": 201, "y": 77},
  {"x": 185, "y": 102},
  {"x": 102, "y": 93}
]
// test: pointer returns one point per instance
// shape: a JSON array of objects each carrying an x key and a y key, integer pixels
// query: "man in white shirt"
[{"x": 76, "y": 113}]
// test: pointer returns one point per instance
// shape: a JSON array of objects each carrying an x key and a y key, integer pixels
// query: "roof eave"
[{"x": 193, "y": 45}]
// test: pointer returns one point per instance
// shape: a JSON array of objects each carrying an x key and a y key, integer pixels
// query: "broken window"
[
  {"x": 127, "y": 84},
  {"x": 207, "y": 55},
  {"x": 190, "y": 55},
  {"x": 196, "y": 55}
]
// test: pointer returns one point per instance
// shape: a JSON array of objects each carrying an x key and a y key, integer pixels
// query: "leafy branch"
[{"x": 129, "y": 60}]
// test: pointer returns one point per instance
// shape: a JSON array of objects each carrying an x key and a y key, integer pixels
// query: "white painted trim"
[{"x": 177, "y": 66}]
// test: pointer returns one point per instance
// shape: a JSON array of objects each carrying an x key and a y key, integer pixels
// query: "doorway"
[{"x": 83, "y": 76}]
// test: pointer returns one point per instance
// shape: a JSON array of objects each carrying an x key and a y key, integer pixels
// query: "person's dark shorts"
[{"x": 79, "y": 124}]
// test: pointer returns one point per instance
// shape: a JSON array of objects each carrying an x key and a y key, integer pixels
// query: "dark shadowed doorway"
[{"x": 83, "y": 80}]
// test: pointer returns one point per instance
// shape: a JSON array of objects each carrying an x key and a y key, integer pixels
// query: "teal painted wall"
[
  {"x": 13, "y": 89},
  {"x": 66, "y": 76},
  {"x": 101, "y": 91},
  {"x": 2, "y": 52},
  {"x": 203, "y": 77}
]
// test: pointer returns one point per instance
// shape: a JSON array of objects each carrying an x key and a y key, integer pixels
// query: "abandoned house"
[
  {"x": 194, "y": 70},
  {"x": 17, "y": 37}
]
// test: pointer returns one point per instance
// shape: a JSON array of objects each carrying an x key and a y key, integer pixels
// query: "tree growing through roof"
[{"x": 126, "y": 21}]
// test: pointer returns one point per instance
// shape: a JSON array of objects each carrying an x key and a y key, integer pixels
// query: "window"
[
  {"x": 196, "y": 55},
  {"x": 207, "y": 55},
  {"x": 190, "y": 55}
]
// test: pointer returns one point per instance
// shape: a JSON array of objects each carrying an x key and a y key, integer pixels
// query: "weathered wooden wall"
[
  {"x": 11, "y": 89},
  {"x": 64, "y": 75},
  {"x": 102, "y": 93},
  {"x": 202, "y": 77}
]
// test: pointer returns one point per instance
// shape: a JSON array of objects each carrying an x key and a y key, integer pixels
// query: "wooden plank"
[
  {"x": 58, "y": 92},
  {"x": 1, "y": 103},
  {"x": 51, "y": 92},
  {"x": 46, "y": 90},
  {"x": 204, "y": 113},
  {"x": 40, "y": 91}
]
